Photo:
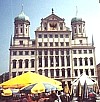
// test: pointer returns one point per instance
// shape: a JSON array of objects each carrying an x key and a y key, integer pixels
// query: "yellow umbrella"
[
  {"x": 26, "y": 79},
  {"x": 38, "y": 88},
  {"x": 6, "y": 92}
]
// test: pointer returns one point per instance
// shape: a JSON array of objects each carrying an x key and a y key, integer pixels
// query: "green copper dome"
[
  {"x": 22, "y": 17},
  {"x": 75, "y": 19}
]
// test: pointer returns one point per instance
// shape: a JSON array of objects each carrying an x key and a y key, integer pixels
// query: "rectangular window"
[
  {"x": 14, "y": 52},
  {"x": 66, "y": 36},
  {"x": 67, "y": 43},
  {"x": 61, "y": 36},
  {"x": 45, "y": 44},
  {"x": 56, "y": 36},
  {"x": 74, "y": 51},
  {"x": 61, "y": 44},
  {"x": 32, "y": 52},
  {"x": 90, "y": 51},
  {"x": 50, "y": 36},
  {"x": 80, "y": 51},
  {"x": 85, "y": 51},
  {"x": 40, "y": 35},
  {"x": 21, "y": 42},
  {"x": 51, "y": 44},
  {"x": 45, "y": 35},
  {"x": 26, "y": 52},
  {"x": 56, "y": 43},
  {"x": 20, "y": 52}
]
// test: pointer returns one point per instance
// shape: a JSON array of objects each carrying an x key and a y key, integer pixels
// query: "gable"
[{"x": 53, "y": 17}]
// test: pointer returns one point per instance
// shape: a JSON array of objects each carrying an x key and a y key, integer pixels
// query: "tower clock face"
[{"x": 53, "y": 26}]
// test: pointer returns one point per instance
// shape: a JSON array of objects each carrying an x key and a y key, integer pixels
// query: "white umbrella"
[{"x": 82, "y": 80}]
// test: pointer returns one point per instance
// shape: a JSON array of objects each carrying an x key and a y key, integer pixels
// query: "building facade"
[{"x": 56, "y": 51}]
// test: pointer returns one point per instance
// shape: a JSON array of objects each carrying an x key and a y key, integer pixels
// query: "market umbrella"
[
  {"x": 6, "y": 92},
  {"x": 26, "y": 79},
  {"x": 83, "y": 77},
  {"x": 38, "y": 88}
]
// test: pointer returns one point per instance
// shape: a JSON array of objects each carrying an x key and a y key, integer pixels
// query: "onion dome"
[
  {"x": 22, "y": 17},
  {"x": 75, "y": 19}
]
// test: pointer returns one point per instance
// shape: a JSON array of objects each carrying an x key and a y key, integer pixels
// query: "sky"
[{"x": 88, "y": 10}]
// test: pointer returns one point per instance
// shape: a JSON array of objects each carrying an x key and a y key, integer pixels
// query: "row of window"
[
  {"x": 81, "y": 51},
  {"x": 20, "y": 63},
  {"x": 54, "y": 62},
  {"x": 51, "y": 52},
  {"x": 85, "y": 60},
  {"x": 40, "y": 52},
  {"x": 54, "y": 52},
  {"x": 53, "y": 35},
  {"x": 60, "y": 73},
  {"x": 81, "y": 71},
  {"x": 23, "y": 53},
  {"x": 53, "y": 44},
  {"x": 46, "y": 62}
]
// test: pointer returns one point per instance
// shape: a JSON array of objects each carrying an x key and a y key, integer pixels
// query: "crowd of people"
[{"x": 53, "y": 96}]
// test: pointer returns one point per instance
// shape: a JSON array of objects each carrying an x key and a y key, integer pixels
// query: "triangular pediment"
[{"x": 53, "y": 17}]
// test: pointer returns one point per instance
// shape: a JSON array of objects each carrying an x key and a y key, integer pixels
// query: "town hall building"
[{"x": 56, "y": 51}]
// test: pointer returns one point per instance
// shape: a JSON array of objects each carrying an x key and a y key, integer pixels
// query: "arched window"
[
  {"x": 75, "y": 61},
  {"x": 62, "y": 61},
  {"x": 46, "y": 72},
  {"x": 63, "y": 72},
  {"x": 68, "y": 72},
  {"x": 91, "y": 61},
  {"x": 14, "y": 63},
  {"x": 86, "y": 61},
  {"x": 46, "y": 61},
  {"x": 20, "y": 63},
  {"x": 68, "y": 60},
  {"x": 40, "y": 71},
  {"x": 32, "y": 63},
  {"x": 26, "y": 63},
  {"x": 57, "y": 73},
  {"x": 52, "y": 73},
  {"x": 80, "y": 61}
]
